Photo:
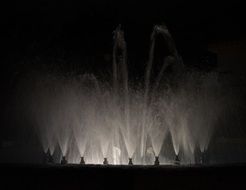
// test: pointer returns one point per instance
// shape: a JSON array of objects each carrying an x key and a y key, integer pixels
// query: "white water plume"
[{"x": 115, "y": 122}]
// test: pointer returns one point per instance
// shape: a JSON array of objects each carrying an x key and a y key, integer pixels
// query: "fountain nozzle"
[
  {"x": 177, "y": 160},
  {"x": 82, "y": 161},
  {"x": 130, "y": 161},
  {"x": 203, "y": 158},
  {"x": 157, "y": 163},
  {"x": 48, "y": 158},
  {"x": 63, "y": 161},
  {"x": 105, "y": 161}
]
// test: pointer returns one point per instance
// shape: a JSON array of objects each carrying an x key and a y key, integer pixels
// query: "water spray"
[{"x": 78, "y": 109}]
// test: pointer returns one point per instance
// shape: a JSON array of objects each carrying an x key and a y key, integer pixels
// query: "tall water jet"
[
  {"x": 120, "y": 66},
  {"x": 146, "y": 94},
  {"x": 173, "y": 58},
  {"x": 149, "y": 101}
]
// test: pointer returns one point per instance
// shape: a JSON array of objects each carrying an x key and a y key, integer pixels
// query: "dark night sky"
[
  {"x": 70, "y": 31},
  {"x": 86, "y": 26}
]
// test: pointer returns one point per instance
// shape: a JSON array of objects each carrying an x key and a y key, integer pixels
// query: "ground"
[{"x": 121, "y": 177}]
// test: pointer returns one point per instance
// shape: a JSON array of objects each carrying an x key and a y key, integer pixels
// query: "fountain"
[{"x": 92, "y": 120}]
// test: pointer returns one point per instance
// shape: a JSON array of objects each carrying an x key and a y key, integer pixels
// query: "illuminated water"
[{"x": 85, "y": 117}]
